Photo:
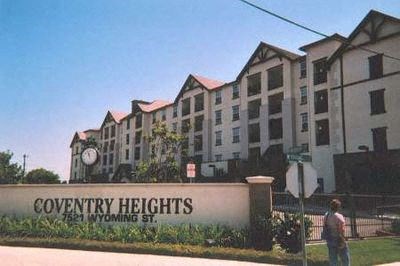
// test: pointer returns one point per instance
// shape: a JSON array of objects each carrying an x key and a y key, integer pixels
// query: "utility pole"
[{"x": 23, "y": 166}]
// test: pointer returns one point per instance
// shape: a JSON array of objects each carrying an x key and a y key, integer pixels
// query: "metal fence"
[{"x": 365, "y": 215}]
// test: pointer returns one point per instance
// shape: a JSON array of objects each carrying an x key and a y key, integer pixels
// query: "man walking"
[{"x": 334, "y": 225}]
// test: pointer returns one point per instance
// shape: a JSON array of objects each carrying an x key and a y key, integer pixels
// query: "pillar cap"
[{"x": 260, "y": 179}]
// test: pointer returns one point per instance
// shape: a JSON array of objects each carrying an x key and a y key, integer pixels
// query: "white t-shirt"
[{"x": 335, "y": 222}]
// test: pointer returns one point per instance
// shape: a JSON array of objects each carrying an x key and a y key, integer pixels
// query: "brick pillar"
[{"x": 260, "y": 211}]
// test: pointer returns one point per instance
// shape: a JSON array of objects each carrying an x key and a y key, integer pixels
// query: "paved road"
[{"x": 22, "y": 256}]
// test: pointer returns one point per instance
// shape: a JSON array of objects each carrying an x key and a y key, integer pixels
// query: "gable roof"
[
  {"x": 78, "y": 136},
  {"x": 208, "y": 83},
  {"x": 153, "y": 106},
  {"x": 372, "y": 13},
  {"x": 205, "y": 83},
  {"x": 335, "y": 36},
  {"x": 114, "y": 115},
  {"x": 282, "y": 52}
]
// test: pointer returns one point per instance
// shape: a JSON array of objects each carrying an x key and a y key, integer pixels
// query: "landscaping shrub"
[
  {"x": 287, "y": 231},
  {"x": 396, "y": 226},
  {"x": 223, "y": 236}
]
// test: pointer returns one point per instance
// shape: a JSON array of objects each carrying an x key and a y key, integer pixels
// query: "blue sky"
[{"x": 63, "y": 64}]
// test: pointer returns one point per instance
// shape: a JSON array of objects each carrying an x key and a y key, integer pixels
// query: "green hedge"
[{"x": 222, "y": 236}]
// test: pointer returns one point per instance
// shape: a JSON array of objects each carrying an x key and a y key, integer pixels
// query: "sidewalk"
[{"x": 25, "y": 256}]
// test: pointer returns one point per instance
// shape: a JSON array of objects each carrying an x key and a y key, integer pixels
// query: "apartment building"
[{"x": 340, "y": 94}]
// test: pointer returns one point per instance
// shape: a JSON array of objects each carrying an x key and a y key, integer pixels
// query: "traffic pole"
[{"x": 301, "y": 199}]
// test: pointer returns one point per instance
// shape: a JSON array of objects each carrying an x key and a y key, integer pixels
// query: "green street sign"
[{"x": 299, "y": 157}]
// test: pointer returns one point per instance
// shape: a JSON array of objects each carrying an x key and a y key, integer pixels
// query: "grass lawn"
[{"x": 365, "y": 252}]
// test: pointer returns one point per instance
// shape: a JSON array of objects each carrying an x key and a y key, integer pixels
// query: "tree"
[
  {"x": 162, "y": 166},
  {"x": 10, "y": 173},
  {"x": 42, "y": 176}
]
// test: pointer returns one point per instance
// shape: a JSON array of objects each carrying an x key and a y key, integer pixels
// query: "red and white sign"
[{"x": 191, "y": 170}]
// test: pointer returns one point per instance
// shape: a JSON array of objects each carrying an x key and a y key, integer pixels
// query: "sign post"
[
  {"x": 301, "y": 181},
  {"x": 191, "y": 171},
  {"x": 301, "y": 199}
]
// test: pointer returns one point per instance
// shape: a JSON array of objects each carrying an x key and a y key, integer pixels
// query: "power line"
[{"x": 315, "y": 31}]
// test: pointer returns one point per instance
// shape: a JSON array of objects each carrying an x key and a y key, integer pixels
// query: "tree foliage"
[
  {"x": 42, "y": 176},
  {"x": 162, "y": 165},
  {"x": 10, "y": 173}
]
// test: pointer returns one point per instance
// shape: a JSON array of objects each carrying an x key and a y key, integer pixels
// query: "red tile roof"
[
  {"x": 81, "y": 135},
  {"x": 208, "y": 83},
  {"x": 153, "y": 106},
  {"x": 118, "y": 116}
]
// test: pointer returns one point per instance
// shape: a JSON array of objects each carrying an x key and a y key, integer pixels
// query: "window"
[
  {"x": 175, "y": 111},
  {"x": 154, "y": 117},
  {"x": 254, "y": 155},
  {"x": 127, "y": 139},
  {"x": 185, "y": 126},
  {"x": 127, "y": 154},
  {"x": 320, "y": 71},
  {"x": 104, "y": 159},
  {"x": 305, "y": 147},
  {"x": 218, "y": 138},
  {"x": 304, "y": 122},
  {"x": 128, "y": 123},
  {"x": 236, "y": 155},
  {"x": 198, "y": 158},
  {"x": 77, "y": 150},
  {"x": 218, "y": 157},
  {"x": 111, "y": 170},
  {"x": 379, "y": 139},
  {"x": 76, "y": 163},
  {"x": 198, "y": 143},
  {"x": 275, "y": 128},
  {"x": 275, "y": 77},
  {"x": 105, "y": 146},
  {"x": 375, "y": 66},
  {"x": 137, "y": 153},
  {"x": 321, "y": 101},
  {"x": 254, "y": 84},
  {"x": 275, "y": 103},
  {"x": 186, "y": 107},
  {"x": 218, "y": 117},
  {"x": 303, "y": 95},
  {"x": 111, "y": 158},
  {"x": 276, "y": 149},
  {"x": 303, "y": 68},
  {"x": 174, "y": 127},
  {"x": 138, "y": 122},
  {"x": 254, "y": 133},
  {"x": 254, "y": 109},
  {"x": 138, "y": 137},
  {"x": 198, "y": 123},
  {"x": 377, "y": 99},
  {"x": 106, "y": 131},
  {"x": 322, "y": 132},
  {"x": 163, "y": 115},
  {"x": 185, "y": 146},
  {"x": 199, "y": 102},
  {"x": 113, "y": 131},
  {"x": 75, "y": 175},
  {"x": 235, "y": 91},
  {"x": 235, "y": 134},
  {"x": 112, "y": 145},
  {"x": 218, "y": 97},
  {"x": 235, "y": 113}
]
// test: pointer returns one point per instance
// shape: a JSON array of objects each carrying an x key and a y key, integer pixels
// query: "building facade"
[{"x": 335, "y": 101}]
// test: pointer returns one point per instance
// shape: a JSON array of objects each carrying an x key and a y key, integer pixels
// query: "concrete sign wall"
[{"x": 226, "y": 204}]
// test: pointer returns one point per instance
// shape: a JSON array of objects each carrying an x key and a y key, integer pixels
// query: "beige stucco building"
[{"x": 339, "y": 94}]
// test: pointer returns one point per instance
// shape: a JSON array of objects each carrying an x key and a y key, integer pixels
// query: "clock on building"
[{"x": 89, "y": 156}]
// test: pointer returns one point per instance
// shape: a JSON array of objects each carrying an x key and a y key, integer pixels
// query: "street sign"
[
  {"x": 310, "y": 180},
  {"x": 298, "y": 157},
  {"x": 191, "y": 170}
]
